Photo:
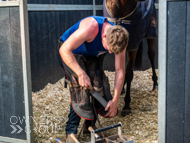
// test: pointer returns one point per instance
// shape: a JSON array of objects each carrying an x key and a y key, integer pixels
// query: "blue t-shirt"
[{"x": 93, "y": 48}]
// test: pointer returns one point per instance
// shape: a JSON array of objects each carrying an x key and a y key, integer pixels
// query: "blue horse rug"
[{"x": 140, "y": 23}]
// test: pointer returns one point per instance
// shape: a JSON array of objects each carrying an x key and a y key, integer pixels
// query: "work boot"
[
  {"x": 86, "y": 124},
  {"x": 86, "y": 131},
  {"x": 70, "y": 138}
]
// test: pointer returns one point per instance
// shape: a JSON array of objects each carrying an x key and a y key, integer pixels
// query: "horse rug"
[{"x": 140, "y": 23}]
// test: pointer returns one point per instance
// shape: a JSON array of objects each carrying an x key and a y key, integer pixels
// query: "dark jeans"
[{"x": 73, "y": 122}]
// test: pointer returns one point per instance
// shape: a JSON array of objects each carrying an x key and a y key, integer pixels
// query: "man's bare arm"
[
  {"x": 119, "y": 80},
  {"x": 87, "y": 31}
]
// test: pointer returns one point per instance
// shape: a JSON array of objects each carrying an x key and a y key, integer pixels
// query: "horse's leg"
[
  {"x": 151, "y": 55},
  {"x": 128, "y": 78},
  {"x": 125, "y": 81},
  {"x": 123, "y": 89}
]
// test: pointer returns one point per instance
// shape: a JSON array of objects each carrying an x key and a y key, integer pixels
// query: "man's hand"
[
  {"x": 112, "y": 107},
  {"x": 84, "y": 81}
]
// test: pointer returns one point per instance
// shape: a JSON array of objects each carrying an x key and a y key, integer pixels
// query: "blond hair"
[{"x": 117, "y": 38}]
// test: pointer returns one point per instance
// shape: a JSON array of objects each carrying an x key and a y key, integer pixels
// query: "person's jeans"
[{"x": 73, "y": 122}]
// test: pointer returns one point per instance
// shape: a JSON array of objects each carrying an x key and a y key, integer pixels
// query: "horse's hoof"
[
  {"x": 125, "y": 112},
  {"x": 155, "y": 88}
]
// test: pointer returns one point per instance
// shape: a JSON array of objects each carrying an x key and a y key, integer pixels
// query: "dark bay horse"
[{"x": 139, "y": 18}]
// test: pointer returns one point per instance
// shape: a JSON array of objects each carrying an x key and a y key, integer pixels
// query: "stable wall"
[
  {"x": 178, "y": 76},
  {"x": 15, "y": 81},
  {"x": 174, "y": 75}
]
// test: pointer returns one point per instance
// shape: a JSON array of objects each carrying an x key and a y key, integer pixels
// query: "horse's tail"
[{"x": 138, "y": 60}]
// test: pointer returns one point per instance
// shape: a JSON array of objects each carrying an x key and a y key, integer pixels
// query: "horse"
[{"x": 139, "y": 18}]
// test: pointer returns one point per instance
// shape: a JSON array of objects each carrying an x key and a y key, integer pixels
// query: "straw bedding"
[{"x": 51, "y": 109}]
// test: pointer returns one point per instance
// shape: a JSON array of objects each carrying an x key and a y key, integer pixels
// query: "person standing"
[{"x": 83, "y": 49}]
